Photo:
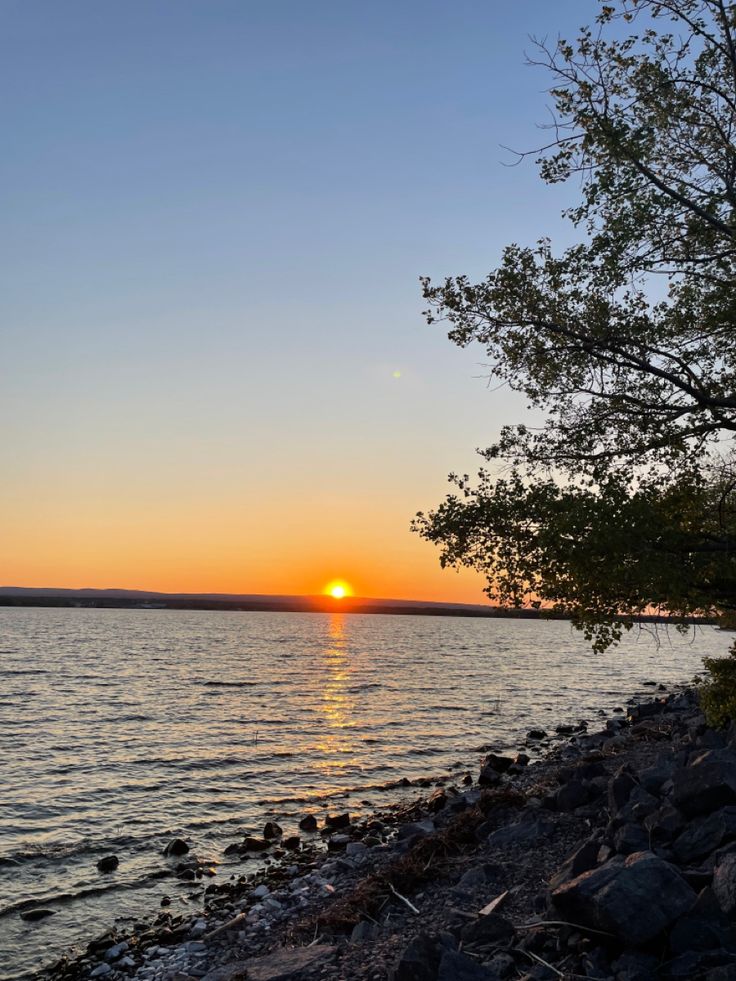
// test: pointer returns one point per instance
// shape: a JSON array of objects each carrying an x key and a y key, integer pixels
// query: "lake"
[{"x": 123, "y": 728}]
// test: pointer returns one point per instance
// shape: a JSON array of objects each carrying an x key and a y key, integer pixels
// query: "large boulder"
[
  {"x": 709, "y": 782},
  {"x": 634, "y": 899},
  {"x": 702, "y": 836},
  {"x": 704, "y": 927}
]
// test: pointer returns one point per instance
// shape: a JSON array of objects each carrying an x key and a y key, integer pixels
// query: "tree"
[{"x": 624, "y": 500}]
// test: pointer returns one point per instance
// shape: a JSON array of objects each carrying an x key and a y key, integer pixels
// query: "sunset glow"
[{"x": 338, "y": 589}]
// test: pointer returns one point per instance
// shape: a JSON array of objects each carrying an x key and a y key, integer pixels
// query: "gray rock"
[
  {"x": 491, "y": 928},
  {"x": 582, "y": 859},
  {"x": 415, "y": 829},
  {"x": 288, "y": 963},
  {"x": 523, "y": 832},
  {"x": 724, "y": 884},
  {"x": 709, "y": 782},
  {"x": 704, "y": 927},
  {"x": 363, "y": 932},
  {"x": 630, "y": 838},
  {"x": 634, "y": 899},
  {"x": 621, "y": 785},
  {"x": 455, "y": 966},
  {"x": 570, "y": 796},
  {"x": 704, "y": 835},
  {"x": 420, "y": 961}
]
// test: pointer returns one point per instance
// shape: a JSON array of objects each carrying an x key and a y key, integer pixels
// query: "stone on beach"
[
  {"x": 308, "y": 823},
  {"x": 287, "y": 963},
  {"x": 176, "y": 847},
  {"x": 634, "y": 899}
]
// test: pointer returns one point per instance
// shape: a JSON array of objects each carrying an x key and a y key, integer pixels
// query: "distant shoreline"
[{"x": 139, "y": 600}]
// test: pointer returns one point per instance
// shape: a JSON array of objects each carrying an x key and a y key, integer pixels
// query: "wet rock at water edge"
[
  {"x": 176, "y": 847},
  {"x": 34, "y": 915},
  {"x": 337, "y": 821},
  {"x": 252, "y": 844},
  {"x": 293, "y": 842},
  {"x": 272, "y": 830},
  {"x": 108, "y": 864},
  {"x": 308, "y": 823},
  {"x": 536, "y": 734}
]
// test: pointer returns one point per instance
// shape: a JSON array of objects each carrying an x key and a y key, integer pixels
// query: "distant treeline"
[{"x": 297, "y": 604}]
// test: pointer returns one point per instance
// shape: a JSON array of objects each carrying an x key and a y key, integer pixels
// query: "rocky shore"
[{"x": 613, "y": 857}]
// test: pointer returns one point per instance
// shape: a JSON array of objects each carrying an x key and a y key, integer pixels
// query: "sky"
[{"x": 215, "y": 214}]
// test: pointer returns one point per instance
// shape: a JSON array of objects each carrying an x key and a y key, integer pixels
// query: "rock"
[
  {"x": 415, "y": 829},
  {"x": 502, "y": 965},
  {"x": 337, "y": 821},
  {"x": 523, "y": 832},
  {"x": 521, "y": 759},
  {"x": 437, "y": 800},
  {"x": 176, "y": 847},
  {"x": 253, "y": 844},
  {"x": 292, "y": 842},
  {"x": 630, "y": 838},
  {"x": 489, "y": 929},
  {"x": 229, "y": 972},
  {"x": 233, "y": 849},
  {"x": 363, "y": 932},
  {"x": 108, "y": 864},
  {"x": 709, "y": 782},
  {"x": 498, "y": 763},
  {"x": 353, "y": 848},
  {"x": 581, "y": 859},
  {"x": 724, "y": 884},
  {"x": 664, "y": 824},
  {"x": 488, "y": 777},
  {"x": 420, "y": 961},
  {"x": 272, "y": 830},
  {"x": 100, "y": 971},
  {"x": 455, "y": 966},
  {"x": 633, "y": 966},
  {"x": 572, "y": 795},
  {"x": 308, "y": 823},
  {"x": 634, "y": 899},
  {"x": 704, "y": 835},
  {"x": 260, "y": 892},
  {"x": 288, "y": 963},
  {"x": 704, "y": 927},
  {"x": 33, "y": 915},
  {"x": 621, "y": 785},
  {"x": 536, "y": 734},
  {"x": 116, "y": 951}
]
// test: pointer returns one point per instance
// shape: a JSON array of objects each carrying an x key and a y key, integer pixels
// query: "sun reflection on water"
[{"x": 338, "y": 703}]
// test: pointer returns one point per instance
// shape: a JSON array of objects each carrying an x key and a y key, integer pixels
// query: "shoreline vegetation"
[
  {"x": 13, "y": 596},
  {"x": 612, "y": 856}
]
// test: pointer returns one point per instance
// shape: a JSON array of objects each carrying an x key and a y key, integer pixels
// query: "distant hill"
[
  {"x": 144, "y": 599},
  {"x": 138, "y": 599}
]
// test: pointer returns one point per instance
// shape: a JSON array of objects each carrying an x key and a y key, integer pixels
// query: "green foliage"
[
  {"x": 718, "y": 692},
  {"x": 624, "y": 500}
]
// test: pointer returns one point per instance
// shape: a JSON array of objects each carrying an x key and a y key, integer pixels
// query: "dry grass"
[{"x": 424, "y": 862}]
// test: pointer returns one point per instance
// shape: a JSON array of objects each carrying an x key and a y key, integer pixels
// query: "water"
[{"x": 120, "y": 729}]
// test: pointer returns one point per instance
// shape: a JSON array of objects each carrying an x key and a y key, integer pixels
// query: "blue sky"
[{"x": 215, "y": 215}]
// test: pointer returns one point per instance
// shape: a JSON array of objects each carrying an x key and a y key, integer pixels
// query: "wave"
[
  {"x": 229, "y": 684},
  {"x": 70, "y": 897}
]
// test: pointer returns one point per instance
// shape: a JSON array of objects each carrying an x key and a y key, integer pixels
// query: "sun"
[{"x": 338, "y": 589}]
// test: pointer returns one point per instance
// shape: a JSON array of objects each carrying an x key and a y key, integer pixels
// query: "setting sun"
[{"x": 338, "y": 589}]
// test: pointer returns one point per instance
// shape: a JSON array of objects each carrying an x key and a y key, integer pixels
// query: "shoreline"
[{"x": 306, "y": 886}]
